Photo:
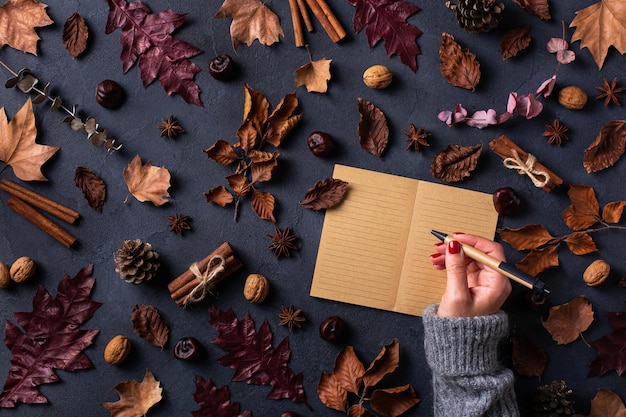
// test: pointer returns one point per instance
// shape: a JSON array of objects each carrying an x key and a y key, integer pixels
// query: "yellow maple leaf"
[
  {"x": 251, "y": 20},
  {"x": 314, "y": 75},
  {"x": 136, "y": 398},
  {"x": 601, "y": 26},
  {"x": 147, "y": 182},
  {"x": 18, "y": 20},
  {"x": 17, "y": 144}
]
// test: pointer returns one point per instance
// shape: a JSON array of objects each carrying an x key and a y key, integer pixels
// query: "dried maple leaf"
[
  {"x": 136, "y": 398},
  {"x": 372, "y": 130},
  {"x": 314, "y": 75},
  {"x": 458, "y": 66},
  {"x": 146, "y": 38},
  {"x": 251, "y": 355},
  {"x": 49, "y": 338},
  {"x": 539, "y": 8},
  {"x": 455, "y": 162},
  {"x": 599, "y": 26},
  {"x": 148, "y": 324},
  {"x": 611, "y": 353},
  {"x": 17, "y": 144},
  {"x": 386, "y": 20},
  {"x": 251, "y": 20},
  {"x": 147, "y": 182},
  {"x": 18, "y": 20},
  {"x": 514, "y": 41},
  {"x": 528, "y": 358},
  {"x": 608, "y": 147},
  {"x": 606, "y": 403},
  {"x": 213, "y": 401},
  {"x": 325, "y": 194},
  {"x": 92, "y": 186},
  {"x": 567, "y": 321},
  {"x": 75, "y": 35}
]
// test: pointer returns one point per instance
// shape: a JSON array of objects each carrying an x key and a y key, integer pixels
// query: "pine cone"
[
  {"x": 554, "y": 400},
  {"x": 478, "y": 15},
  {"x": 136, "y": 262}
]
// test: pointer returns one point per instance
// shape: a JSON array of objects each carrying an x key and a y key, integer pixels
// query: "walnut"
[
  {"x": 117, "y": 350},
  {"x": 5, "y": 275},
  {"x": 572, "y": 97},
  {"x": 256, "y": 289},
  {"x": 22, "y": 269},
  {"x": 596, "y": 273},
  {"x": 378, "y": 77}
]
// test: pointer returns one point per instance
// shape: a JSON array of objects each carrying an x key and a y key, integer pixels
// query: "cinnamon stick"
[
  {"x": 332, "y": 18},
  {"x": 305, "y": 15},
  {"x": 324, "y": 20},
  {"x": 31, "y": 197},
  {"x": 29, "y": 213},
  {"x": 298, "y": 32}
]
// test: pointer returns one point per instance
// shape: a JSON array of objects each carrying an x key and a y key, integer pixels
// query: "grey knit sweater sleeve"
[{"x": 468, "y": 379}]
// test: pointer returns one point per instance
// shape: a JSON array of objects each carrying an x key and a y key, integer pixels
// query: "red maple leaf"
[
  {"x": 213, "y": 401},
  {"x": 146, "y": 37},
  {"x": 251, "y": 355},
  {"x": 49, "y": 338},
  {"x": 386, "y": 19},
  {"x": 611, "y": 348}
]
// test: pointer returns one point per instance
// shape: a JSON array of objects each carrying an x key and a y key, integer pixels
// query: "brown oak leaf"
[
  {"x": 608, "y": 147},
  {"x": 314, "y": 75},
  {"x": 147, "y": 182},
  {"x": 372, "y": 130},
  {"x": 539, "y": 8},
  {"x": 455, "y": 162},
  {"x": 514, "y": 41},
  {"x": 458, "y": 66},
  {"x": 17, "y": 144},
  {"x": 325, "y": 194},
  {"x": 251, "y": 20},
  {"x": 606, "y": 403},
  {"x": 136, "y": 398},
  {"x": 148, "y": 323},
  {"x": 599, "y": 26},
  {"x": 18, "y": 20},
  {"x": 75, "y": 35},
  {"x": 584, "y": 211},
  {"x": 92, "y": 186},
  {"x": 528, "y": 358},
  {"x": 567, "y": 321}
]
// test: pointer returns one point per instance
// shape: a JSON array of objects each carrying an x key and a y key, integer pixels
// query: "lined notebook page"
[{"x": 374, "y": 246}]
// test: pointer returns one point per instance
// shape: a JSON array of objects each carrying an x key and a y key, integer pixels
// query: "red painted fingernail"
[
  {"x": 437, "y": 245},
  {"x": 459, "y": 233},
  {"x": 435, "y": 255},
  {"x": 454, "y": 247}
]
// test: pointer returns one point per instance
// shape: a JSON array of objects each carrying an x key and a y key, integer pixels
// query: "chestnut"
[
  {"x": 109, "y": 94},
  {"x": 333, "y": 329},
  {"x": 506, "y": 201},
  {"x": 187, "y": 348},
  {"x": 320, "y": 143},
  {"x": 222, "y": 67}
]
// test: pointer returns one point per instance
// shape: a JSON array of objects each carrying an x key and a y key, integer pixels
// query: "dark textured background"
[{"x": 413, "y": 98}]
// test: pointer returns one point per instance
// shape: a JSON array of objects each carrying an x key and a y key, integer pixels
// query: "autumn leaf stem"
[
  {"x": 606, "y": 226},
  {"x": 3, "y": 167},
  {"x": 585, "y": 340}
]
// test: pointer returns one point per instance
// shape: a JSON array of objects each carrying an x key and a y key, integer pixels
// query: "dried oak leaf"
[
  {"x": 136, "y": 398},
  {"x": 584, "y": 211},
  {"x": 611, "y": 352},
  {"x": 514, "y": 41},
  {"x": 92, "y": 186},
  {"x": 146, "y": 38},
  {"x": 251, "y": 20},
  {"x": 531, "y": 236},
  {"x": 580, "y": 243},
  {"x": 539, "y": 8},
  {"x": 567, "y": 321},
  {"x": 147, "y": 182},
  {"x": 49, "y": 338},
  {"x": 458, "y": 66},
  {"x": 372, "y": 130},
  {"x": 18, "y": 20},
  {"x": 263, "y": 204},
  {"x": 608, "y": 147},
  {"x": 386, "y": 20},
  {"x": 455, "y": 162},
  {"x": 538, "y": 260},
  {"x": 75, "y": 35},
  {"x": 148, "y": 323},
  {"x": 314, "y": 75},
  {"x": 325, "y": 194},
  {"x": 213, "y": 401},
  {"x": 528, "y": 358},
  {"x": 612, "y": 212},
  {"x": 251, "y": 355},
  {"x": 606, "y": 403},
  {"x": 17, "y": 144}
]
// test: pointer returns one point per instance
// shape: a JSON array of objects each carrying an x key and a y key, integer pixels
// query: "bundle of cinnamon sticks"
[{"x": 322, "y": 12}]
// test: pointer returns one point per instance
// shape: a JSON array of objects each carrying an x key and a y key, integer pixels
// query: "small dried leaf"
[
  {"x": 325, "y": 194},
  {"x": 75, "y": 35},
  {"x": 349, "y": 370},
  {"x": 538, "y": 260},
  {"x": 282, "y": 120},
  {"x": 136, "y": 398},
  {"x": 263, "y": 205},
  {"x": 455, "y": 162},
  {"x": 331, "y": 393},
  {"x": 514, "y": 41},
  {"x": 314, "y": 75},
  {"x": 612, "y": 212},
  {"x": 255, "y": 108},
  {"x": 528, "y": 358},
  {"x": 262, "y": 171},
  {"x": 357, "y": 410},
  {"x": 252, "y": 20},
  {"x": 385, "y": 363},
  {"x": 372, "y": 130},
  {"x": 146, "y": 182},
  {"x": 239, "y": 184},
  {"x": 261, "y": 156},
  {"x": 608, "y": 147},
  {"x": 219, "y": 195},
  {"x": 580, "y": 243},
  {"x": 148, "y": 324},
  {"x": 247, "y": 135},
  {"x": 458, "y": 66},
  {"x": 584, "y": 210},
  {"x": 606, "y": 403},
  {"x": 393, "y": 402},
  {"x": 567, "y": 321},
  {"x": 531, "y": 236},
  {"x": 539, "y": 8},
  {"x": 92, "y": 186},
  {"x": 222, "y": 152}
]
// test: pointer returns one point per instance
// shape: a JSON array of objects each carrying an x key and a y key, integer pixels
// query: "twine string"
[
  {"x": 206, "y": 279},
  {"x": 539, "y": 178}
]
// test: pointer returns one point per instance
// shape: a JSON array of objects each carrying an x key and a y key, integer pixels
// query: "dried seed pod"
[
  {"x": 5, "y": 276},
  {"x": 572, "y": 97},
  {"x": 596, "y": 273},
  {"x": 117, "y": 350},
  {"x": 22, "y": 269},
  {"x": 256, "y": 288},
  {"x": 109, "y": 94},
  {"x": 378, "y": 77}
]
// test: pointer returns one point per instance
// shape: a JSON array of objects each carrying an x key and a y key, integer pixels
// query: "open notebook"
[{"x": 375, "y": 246}]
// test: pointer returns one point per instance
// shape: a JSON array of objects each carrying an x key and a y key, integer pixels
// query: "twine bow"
[
  {"x": 206, "y": 278},
  {"x": 539, "y": 178}
]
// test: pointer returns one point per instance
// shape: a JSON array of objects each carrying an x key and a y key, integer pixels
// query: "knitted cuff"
[{"x": 463, "y": 346}]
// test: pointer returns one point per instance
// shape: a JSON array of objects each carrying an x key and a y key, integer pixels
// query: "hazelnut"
[
  {"x": 378, "y": 77},
  {"x": 22, "y": 269},
  {"x": 5, "y": 276},
  {"x": 117, "y": 350},
  {"x": 256, "y": 288},
  {"x": 596, "y": 273},
  {"x": 109, "y": 94},
  {"x": 572, "y": 97}
]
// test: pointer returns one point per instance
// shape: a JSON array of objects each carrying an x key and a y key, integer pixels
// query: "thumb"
[{"x": 456, "y": 284}]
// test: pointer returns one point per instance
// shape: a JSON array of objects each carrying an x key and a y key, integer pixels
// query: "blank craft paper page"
[{"x": 375, "y": 245}]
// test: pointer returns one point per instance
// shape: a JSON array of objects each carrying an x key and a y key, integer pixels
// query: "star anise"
[
  {"x": 291, "y": 317},
  {"x": 610, "y": 92},
  {"x": 170, "y": 127},
  {"x": 416, "y": 138},
  {"x": 178, "y": 223},
  {"x": 556, "y": 132},
  {"x": 282, "y": 242}
]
